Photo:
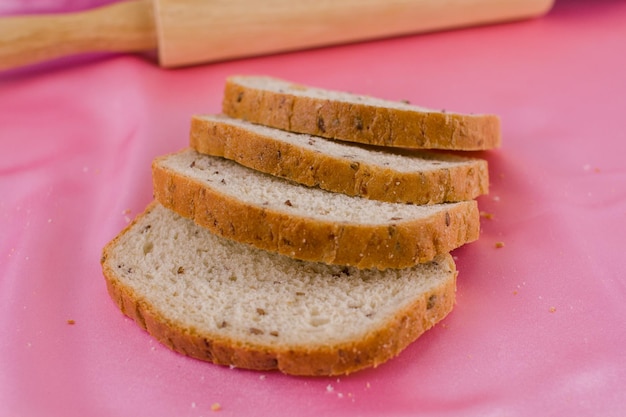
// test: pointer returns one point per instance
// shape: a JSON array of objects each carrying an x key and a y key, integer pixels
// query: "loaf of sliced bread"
[
  {"x": 417, "y": 177},
  {"x": 308, "y": 223},
  {"x": 221, "y": 301},
  {"x": 343, "y": 116}
]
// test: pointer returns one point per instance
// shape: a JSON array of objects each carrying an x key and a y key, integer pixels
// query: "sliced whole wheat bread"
[
  {"x": 355, "y": 118},
  {"x": 221, "y": 301},
  {"x": 417, "y": 177},
  {"x": 308, "y": 223}
]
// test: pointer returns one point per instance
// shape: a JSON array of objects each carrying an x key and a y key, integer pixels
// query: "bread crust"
[
  {"x": 369, "y": 350},
  {"x": 398, "y": 244},
  {"x": 341, "y": 175},
  {"x": 361, "y": 122}
]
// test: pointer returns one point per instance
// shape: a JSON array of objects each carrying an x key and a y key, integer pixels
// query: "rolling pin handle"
[{"x": 127, "y": 26}]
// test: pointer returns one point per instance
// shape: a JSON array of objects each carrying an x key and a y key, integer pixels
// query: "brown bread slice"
[
  {"x": 228, "y": 303},
  {"x": 354, "y": 118},
  {"x": 417, "y": 177},
  {"x": 308, "y": 223}
]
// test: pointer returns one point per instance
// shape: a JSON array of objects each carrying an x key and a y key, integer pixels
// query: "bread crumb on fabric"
[
  {"x": 552, "y": 309},
  {"x": 71, "y": 322},
  {"x": 216, "y": 407},
  {"x": 499, "y": 245},
  {"x": 485, "y": 215}
]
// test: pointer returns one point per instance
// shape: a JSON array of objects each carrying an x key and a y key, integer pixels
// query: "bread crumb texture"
[{"x": 237, "y": 305}]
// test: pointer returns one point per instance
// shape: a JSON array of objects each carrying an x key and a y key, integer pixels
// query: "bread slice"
[
  {"x": 308, "y": 223},
  {"x": 418, "y": 177},
  {"x": 343, "y": 116},
  {"x": 218, "y": 300}
]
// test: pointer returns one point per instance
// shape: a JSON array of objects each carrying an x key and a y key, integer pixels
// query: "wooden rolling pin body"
[{"x": 188, "y": 32}]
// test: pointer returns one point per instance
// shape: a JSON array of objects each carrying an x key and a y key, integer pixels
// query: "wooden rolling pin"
[{"x": 187, "y": 32}]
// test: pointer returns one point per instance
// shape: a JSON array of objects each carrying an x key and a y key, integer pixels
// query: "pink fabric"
[
  {"x": 24, "y": 7},
  {"x": 539, "y": 327}
]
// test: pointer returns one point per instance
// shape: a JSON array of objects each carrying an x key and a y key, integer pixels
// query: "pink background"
[{"x": 540, "y": 324}]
